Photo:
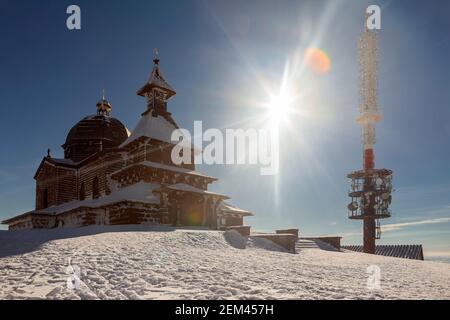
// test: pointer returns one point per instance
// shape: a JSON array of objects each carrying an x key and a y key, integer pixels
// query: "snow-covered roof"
[
  {"x": 156, "y": 79},
  {"x": 152, "y": 127},
  {"x": 188, "y": 188},
  {"x": 22, "y": 215},
  {"x": 173, "y": 168},
  {"x": 227, "y": 208},
  {"x": 167, "y": 167},
  {"x": 139, "y": 192}
]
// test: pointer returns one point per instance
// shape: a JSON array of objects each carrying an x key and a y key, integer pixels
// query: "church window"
[
  {"x": 95, "y": 188},
  {"x": 82, "y": 192},
  {"x": 45, "y": 198}
]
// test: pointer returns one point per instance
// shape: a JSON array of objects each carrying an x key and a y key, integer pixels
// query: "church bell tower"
[{"x": 157, "y": 90}]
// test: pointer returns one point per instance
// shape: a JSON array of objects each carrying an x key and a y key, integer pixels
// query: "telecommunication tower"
[{"x": 370, "y": 188}]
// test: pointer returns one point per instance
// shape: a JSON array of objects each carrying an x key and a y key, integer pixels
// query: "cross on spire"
[{"x": 155, "y": 55}]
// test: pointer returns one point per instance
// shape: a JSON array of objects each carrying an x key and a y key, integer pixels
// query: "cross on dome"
[{"x": 103, "y": 106}]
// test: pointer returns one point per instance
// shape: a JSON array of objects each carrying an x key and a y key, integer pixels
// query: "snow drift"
[{"x": 145, "y": 262}]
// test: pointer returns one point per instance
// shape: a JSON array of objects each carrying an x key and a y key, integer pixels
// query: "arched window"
[
  {"x": 95, "y": 189},
  {"x": 82, "y": 194},
  {"x": 45, "y": 198}
]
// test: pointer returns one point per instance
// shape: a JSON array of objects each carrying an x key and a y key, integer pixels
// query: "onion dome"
[{"x": 94, "y": 133}]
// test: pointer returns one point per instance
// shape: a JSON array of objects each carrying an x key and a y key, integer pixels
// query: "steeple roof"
[{"x": 156, "y": 80}]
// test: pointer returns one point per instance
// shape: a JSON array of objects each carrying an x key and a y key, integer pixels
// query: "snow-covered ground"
[{"x": 143, "y": 262}]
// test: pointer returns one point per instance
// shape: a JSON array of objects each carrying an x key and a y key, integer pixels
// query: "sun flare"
[{"x": 279, "y": 109}]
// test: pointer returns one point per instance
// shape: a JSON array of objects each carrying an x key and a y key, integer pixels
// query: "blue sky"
[{"x": 216, "y": 54}]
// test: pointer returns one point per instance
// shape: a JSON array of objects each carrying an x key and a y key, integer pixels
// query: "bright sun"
[{"x": 279, "y": 108}]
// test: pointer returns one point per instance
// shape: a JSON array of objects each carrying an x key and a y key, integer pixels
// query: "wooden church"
[{"x": 109, "y": 176}]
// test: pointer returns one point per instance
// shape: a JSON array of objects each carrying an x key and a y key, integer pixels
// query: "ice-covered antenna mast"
[
  {"x": 368, "y": 90},
  {"x": 370, "y": 188}
]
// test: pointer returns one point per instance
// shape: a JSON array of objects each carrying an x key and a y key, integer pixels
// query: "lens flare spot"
[
  {"x": 192, "y": 217},
  {"x": 317, "y": 60}
]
